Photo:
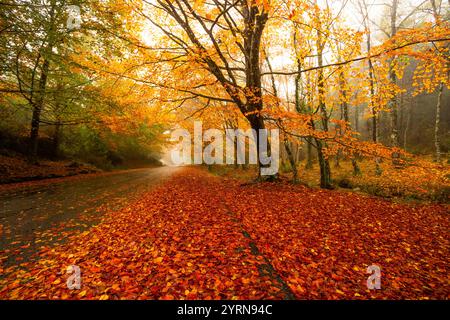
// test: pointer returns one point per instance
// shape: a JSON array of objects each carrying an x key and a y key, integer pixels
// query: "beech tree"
[{"x": 223, "y": 38}]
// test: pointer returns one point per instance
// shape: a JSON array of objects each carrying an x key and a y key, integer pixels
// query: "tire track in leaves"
[{"x": 265, "y": 269}]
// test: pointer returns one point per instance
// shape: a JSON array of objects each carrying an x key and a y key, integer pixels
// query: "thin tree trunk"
[
  {"x": 408, "y": 121},
  {"x": 344, "y": 107},
  {"x": 337, "y": 159},
  {"x": 39, "y": 102},
  {"x": 373, "y": 110},
  {"x": 325, "y": 171},
  {"x": 437, "y": 143},
  {"x": 291, "y": 159},
  {"x": 36, "y": 116},
  {"x": 56, "y": 140},
  {"x": 393, "y": 103}
]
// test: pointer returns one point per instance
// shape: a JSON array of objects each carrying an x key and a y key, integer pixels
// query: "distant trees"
[
  {"x": 47, "y": 67},
  {"x": 32, "y": 38}
]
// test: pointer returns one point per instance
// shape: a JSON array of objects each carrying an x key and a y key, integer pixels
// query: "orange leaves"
[
  {"x": 173, "y": 243},
  {"x": 199, "y": 237},
  {"x": 294, "y": 222},
  {"x": 158, "y": 260}
]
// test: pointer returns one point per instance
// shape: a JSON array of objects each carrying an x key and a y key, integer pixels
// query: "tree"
[
  {"x": 30, "y": 52},
  {"x": 232, "y": 58}
]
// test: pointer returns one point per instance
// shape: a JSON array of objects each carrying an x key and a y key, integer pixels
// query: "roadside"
[
  {"x": 17, "y": 169},
  {"x": 427, "y": 184}
]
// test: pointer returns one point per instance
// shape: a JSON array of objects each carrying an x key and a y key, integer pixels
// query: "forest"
[{"x": 357, "y": 92}]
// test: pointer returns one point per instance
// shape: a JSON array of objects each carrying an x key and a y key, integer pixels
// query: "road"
[{"x": 54, "y": 211}]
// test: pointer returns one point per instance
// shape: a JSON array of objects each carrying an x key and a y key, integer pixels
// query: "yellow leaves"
[
  {"x": 198, "y": 4},
  {"x": 116, "y": 287},
  {"x": 356, "y": 268},
  {"x": 300, "y": 289},
  {"x": 104, "y": 297},
  {"x": 82, "y": 294},
  {"x": 57, "y": 281},
  {"x": 158, "y": 260},
  {"x": 409, "y": 181},
  {"x": 340, "y": 292}
]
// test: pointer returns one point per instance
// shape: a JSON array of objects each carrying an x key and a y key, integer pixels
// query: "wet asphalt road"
[{"x": 46, "y": 214}]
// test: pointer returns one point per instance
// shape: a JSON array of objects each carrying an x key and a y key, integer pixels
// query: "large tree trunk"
[
  {"x": 257, "y": 124},
  {"x": 254, "y": 26}
]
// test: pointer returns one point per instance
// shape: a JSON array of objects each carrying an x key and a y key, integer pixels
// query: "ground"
[
  {"x": 181, "y": 233},
  {"x": 17, "y": 169}
]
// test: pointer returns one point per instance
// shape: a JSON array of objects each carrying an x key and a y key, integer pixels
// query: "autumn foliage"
[{"x": 340, "y": 94}]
